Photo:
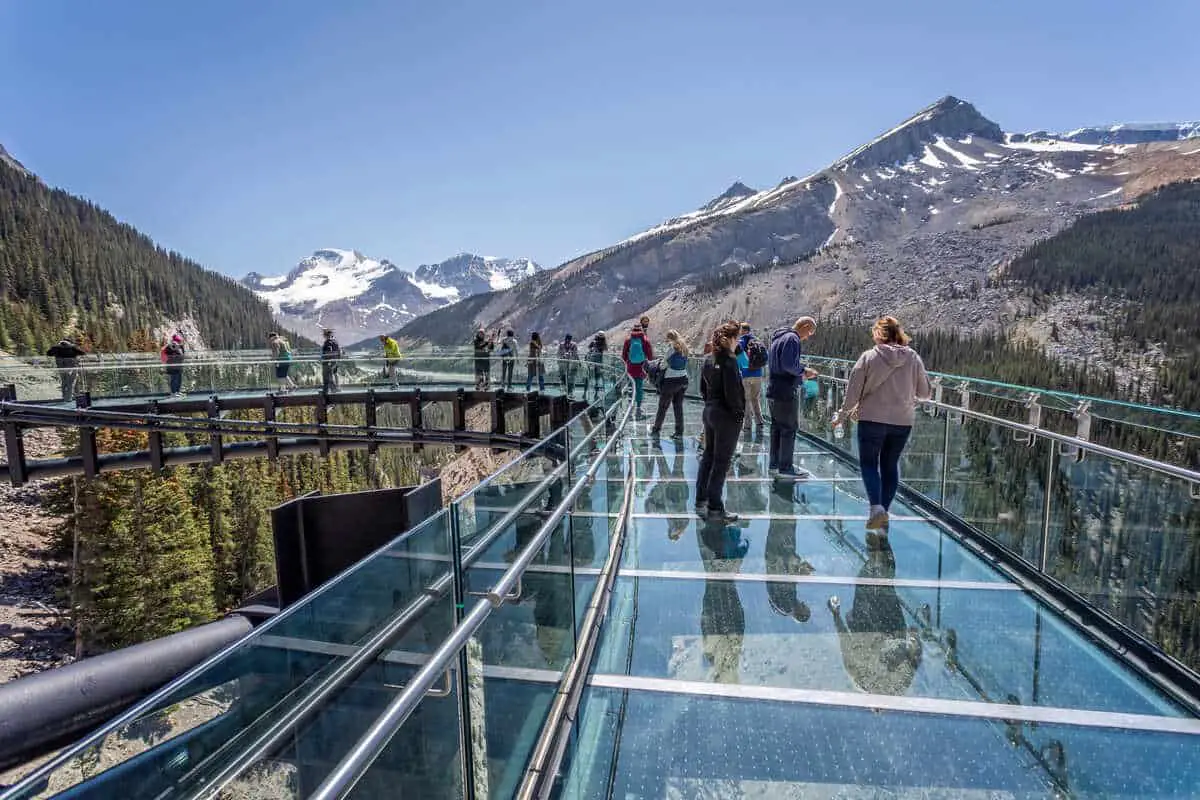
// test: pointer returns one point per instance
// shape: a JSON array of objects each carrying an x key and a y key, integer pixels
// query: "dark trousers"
[
  {"x": 483, "y": 374},
  {"x": 879, "y": 449},
  {"x": 506, "y": 372},
  {"x": 538, "y": 370},
  {"x": 67, "y": 378},
  {"x": 329, "y": 375},
  {"x": 566, "y": 374},
  {"x": 785, "y": 421},
  {"x": 175, "y": 379},
  {"x": 670, "y": 394},
  {"x": 596, "y": 379},
  {"x": 721, "y": 431}
]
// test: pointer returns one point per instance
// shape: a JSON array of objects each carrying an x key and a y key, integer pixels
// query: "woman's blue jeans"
[{"x": 879, "y": 449}]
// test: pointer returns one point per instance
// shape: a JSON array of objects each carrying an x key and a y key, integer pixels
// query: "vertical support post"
[
  {"x": 14, "y": 444},
  {"x": 460, "y": 410},
  {"x": 154, "y": 443},
  {"x": 499, "y": 424},
  {"x": 213, "y": 409},
  {"x": 1048, "y": 505},
  {"x": 466, "y": 726},
  {"x": 268, "y": 418},
  {"x": 371, "y": 413},
  {"x": 416, "y": 416},
  {"x": 945, "y": 459},
  {"x": 88, "y": 451},
  {"x": 322, "y": 418},
  {"x": 8, "y": 392},
  {"x": 533, "y": 419}
]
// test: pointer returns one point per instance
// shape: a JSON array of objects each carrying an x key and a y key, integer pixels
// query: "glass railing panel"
[
  {"x": 1126, "y": 538},
  {"x": 280, "y": 665},
  {"x": 995, "y": 484}
]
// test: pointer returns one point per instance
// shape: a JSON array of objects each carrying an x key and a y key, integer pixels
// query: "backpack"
[
  {"x": 637, "y": 353},
  {"x": 756, "y": 351},
  {"x": 654, "y": 372},
  {"x": 677, "y": 360}
]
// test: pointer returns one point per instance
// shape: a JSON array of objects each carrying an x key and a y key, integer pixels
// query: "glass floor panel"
[
  {"x": 817, "y": 547},
  {"x": 956, "y": 644},
  {"x": 645, "y": 744}
]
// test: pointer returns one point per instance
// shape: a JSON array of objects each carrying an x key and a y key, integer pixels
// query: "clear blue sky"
[{"x": 247, "y": 133}]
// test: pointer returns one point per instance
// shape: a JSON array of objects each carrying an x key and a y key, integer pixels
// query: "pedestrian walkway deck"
[{"x": 573, "y": 630}]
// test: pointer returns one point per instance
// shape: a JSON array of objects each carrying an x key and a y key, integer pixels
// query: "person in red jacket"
[{"x": 635, "y": 353}]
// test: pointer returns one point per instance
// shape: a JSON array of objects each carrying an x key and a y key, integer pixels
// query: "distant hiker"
[
  {"x": 568, "y": 363},
  {"x": 391, "y": 359},
  {"x": 881, "y": 395},
  {"x": 483, "y": 346},
  {"x": 331, "y": 352},
  {"x": 674, "y": 385},
  {"x": 645, "y": 323},
  {"x": 785, "y": 373},
  {"x": 172, "y": 355},
  {"x": 508, "y": 359},
  {"x": 595, "y": 370},
  {"x": 755, "y": 353},
  {"x": 724, "y": 408},
  {"x": 535, "y": 365},
  {"x": 635, "y": 353},
  {"x": 281, "y": 354},
  {"x": 66, "y": 358}
]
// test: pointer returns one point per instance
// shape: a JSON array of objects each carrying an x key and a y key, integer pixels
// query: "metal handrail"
[
  {"x": 1063, "y": 438},
  {"x": 346, "y": 671},
  {"x": 360, "y": 757}
]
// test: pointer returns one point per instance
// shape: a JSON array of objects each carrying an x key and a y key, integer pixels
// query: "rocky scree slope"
[
  {"x": 912, "y": 222},
  {"x": 362, "y": 297}
]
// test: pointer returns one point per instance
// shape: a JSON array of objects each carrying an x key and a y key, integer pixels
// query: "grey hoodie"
[{"x": 885, "y": 384}]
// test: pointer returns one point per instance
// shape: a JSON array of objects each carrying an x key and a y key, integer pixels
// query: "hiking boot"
[
  {"x": 721, "y": 515},
  {"x": 878, "y": 518},
  {"x": 794, "y": 473}
]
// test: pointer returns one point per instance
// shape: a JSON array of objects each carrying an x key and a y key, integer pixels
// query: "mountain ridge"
[
  {"x": 362, "y": 297},
  {"x": 909, "y": 220}
]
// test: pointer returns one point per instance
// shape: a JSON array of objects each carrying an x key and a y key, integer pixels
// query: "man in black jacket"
[
  {"x": 331, "y": 351},
  {"x": 724, "y": 409},
  {"x": 66, "y": 357}
]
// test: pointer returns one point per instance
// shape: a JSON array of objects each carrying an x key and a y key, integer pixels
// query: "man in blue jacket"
[{"x": 785, "y": 374}]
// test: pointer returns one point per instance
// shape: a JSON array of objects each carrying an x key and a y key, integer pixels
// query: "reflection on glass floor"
[{"x": 794, "y": 654}]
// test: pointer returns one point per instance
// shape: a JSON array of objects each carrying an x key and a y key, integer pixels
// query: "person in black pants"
[
  {"x": 785, "y": 375},
  {"x": 724, "y": 409},
  {"x": 674, "y": 385}
]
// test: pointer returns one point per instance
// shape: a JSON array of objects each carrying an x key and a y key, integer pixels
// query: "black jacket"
[
  {"x": 330, "y": 349},
  {"x": 721, "y": 384},
  {"x": 65, "y": 354}
]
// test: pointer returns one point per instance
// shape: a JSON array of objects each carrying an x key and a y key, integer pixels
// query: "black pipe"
[{"x": 42, "y": 712}]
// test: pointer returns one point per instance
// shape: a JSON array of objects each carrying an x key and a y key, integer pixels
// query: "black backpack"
[{"x": 756, "y": 352}]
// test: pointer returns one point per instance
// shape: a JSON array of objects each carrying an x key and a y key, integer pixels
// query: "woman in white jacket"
[{"x": 881, "y": 395}]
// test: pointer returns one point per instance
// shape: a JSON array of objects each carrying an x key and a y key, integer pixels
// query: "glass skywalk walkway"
[{"x": 570, "y": 629}]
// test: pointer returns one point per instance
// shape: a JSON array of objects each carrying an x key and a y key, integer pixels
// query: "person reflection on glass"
[
  {"x": 880, "y": 652},
  {"x": 669, "y": 494},
  {"x": 722, "y": 617},
  {"x": 551, "y": 595},
  {"x": 781, "y": 556}
]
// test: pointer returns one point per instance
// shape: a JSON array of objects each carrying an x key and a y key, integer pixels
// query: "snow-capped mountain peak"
[{"x": 363, "y": 296}]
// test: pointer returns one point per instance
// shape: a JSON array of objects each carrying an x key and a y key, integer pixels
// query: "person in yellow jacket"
[{"x": 391, "y": 355}]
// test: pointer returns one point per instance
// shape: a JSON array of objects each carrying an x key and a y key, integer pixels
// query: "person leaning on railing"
[
  {"x": 881, "y": 396},
  {"x": 331, "y": 352},
  {"x": 66, "y": 357},
  {"x": 391, "y": 359}
]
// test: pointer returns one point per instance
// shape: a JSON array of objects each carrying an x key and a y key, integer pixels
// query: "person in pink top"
[
  {"x": 881, "y": 395},
  {"x": 635, "y": 353}
]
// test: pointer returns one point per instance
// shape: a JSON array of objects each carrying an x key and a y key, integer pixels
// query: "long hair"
[
  {"x": 679, "y": 344},
  {"x": 890, "y": 331},
  {"x": 726, "y": 332}
]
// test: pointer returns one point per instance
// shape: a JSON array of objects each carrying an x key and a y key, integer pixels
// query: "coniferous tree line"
[{"x": 68, "y": 267}]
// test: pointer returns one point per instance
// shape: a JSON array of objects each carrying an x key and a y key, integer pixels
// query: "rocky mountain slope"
[
  {"x": 362, "y": 297},
  {"x": 913, "y": 222}
]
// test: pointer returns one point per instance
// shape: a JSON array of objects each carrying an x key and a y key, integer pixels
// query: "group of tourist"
[
  {"x": 880, "y": 398},
  {"x": 573, "y": 369}
]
